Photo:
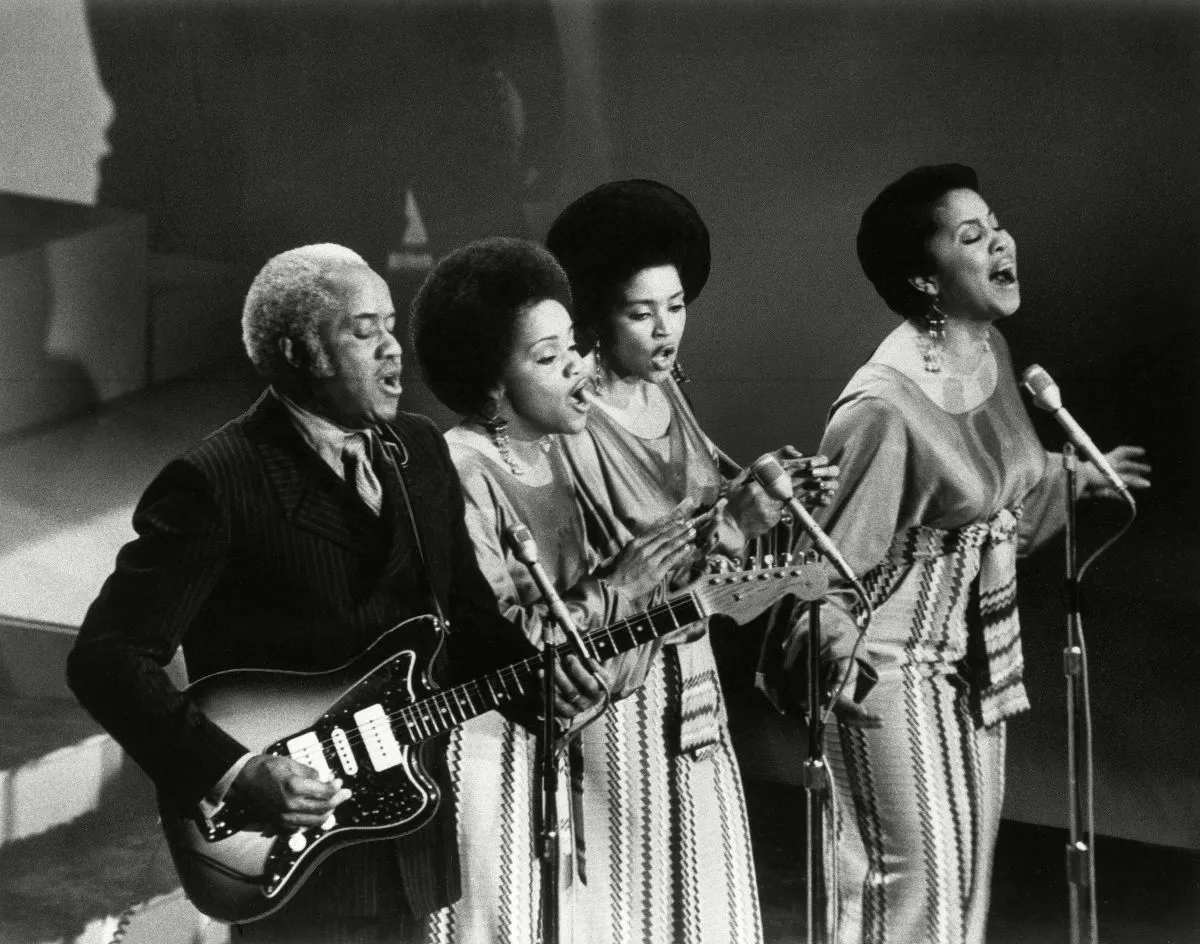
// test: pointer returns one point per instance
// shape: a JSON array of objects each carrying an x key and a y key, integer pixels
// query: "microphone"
[
  {"x": 525, "y": 549},
  {"x": 778, "y": 484},
  {"x": 1046, "y": 395}
]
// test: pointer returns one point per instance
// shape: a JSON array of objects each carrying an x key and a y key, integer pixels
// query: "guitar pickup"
[
  {"x": 306, "y": 748},
  {"x": 382, "y": 747},
  {"x": 341, "y": 743}
]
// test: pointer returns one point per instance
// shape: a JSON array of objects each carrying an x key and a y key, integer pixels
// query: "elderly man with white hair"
[{"x": 291, "y": 539}]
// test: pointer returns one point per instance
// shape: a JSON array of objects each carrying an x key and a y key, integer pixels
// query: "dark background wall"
[
  {"x": 783, "y": 121},
  {"x": 242, "y": 129}
]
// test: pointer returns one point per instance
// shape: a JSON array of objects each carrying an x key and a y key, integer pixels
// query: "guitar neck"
[{"x": 450, "y": 707}]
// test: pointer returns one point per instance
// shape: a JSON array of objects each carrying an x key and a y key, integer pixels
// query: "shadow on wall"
[
  {"x": 243, "y": 129},
  {"x": 72, "y": 279},
  {"x": 399, "y": 129}
]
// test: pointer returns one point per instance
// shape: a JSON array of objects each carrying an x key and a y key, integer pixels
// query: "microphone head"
[
  {"x": 771, "y": 476},
  {"x": 524, "y": 547},
  {"x": 1042, "y": 388}
]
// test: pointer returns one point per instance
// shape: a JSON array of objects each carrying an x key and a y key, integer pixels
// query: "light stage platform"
[{"x": 72, "y": 807}]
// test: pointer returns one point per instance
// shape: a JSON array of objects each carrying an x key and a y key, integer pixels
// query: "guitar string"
[
  {"x": 449, "y": 702},
  {"x": 513, "y": 675}
]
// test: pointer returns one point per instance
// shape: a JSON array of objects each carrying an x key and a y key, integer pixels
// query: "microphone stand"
[
  {"x": 815, "y": 771},
  {"x": 815, "y": 777},
  {"x": 548, "y": 833},
  {"x": 1080, "y": 858},
  {"x": 524, "y": 548},
  {"x": 815, "y": 774}
]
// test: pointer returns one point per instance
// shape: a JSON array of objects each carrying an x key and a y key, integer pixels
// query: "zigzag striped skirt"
[
  {"x": 668, "y": 847},
  {"x": 918, "y": 808}
]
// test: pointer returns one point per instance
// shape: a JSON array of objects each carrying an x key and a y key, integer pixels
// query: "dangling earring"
[
  {"x": 678, "y": 374},
  {"x": 932, "y": 341},
  {"x": 497, "y": 430},
  {"x": 598, "y": 370}
]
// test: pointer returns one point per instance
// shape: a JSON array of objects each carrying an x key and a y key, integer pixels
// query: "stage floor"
[
  {"x": 1146, "y": 894},
  {"x": 68, "y": 491}
]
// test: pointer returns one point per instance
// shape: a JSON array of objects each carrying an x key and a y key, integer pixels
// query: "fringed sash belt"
[{"x": 994, "y": 659}]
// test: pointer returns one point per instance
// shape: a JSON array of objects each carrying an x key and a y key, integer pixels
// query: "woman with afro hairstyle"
[
  {"x": 944, "y": 483},
  {"x": 637, "y": 254},
  {"x": 495, "y": 342}
]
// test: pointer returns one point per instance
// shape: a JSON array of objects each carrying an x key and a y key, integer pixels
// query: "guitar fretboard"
[{"x": 450, "y": 707}]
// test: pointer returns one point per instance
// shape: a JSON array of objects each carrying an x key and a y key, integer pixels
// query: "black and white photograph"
[{"x": 599, "y": 471}]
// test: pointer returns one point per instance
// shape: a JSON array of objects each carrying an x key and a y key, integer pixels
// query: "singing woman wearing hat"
[
  {"x": 944, "y": 483},
  {"x": 637, "y": 254}
]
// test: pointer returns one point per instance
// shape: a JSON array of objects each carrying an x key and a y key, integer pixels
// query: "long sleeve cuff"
[{"x": 211, "y": 802}]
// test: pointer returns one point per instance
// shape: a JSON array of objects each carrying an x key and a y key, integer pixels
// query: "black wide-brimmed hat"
[{"x": 614, "y": 231}]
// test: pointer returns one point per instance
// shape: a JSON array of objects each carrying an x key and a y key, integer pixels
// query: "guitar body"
[
  {"x": 365, "y": 723},
  {"x": 336, "y": 722}
]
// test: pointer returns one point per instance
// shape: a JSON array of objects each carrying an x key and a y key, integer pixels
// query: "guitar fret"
[
  {"x": 445, "y": 715},
  {"x": 430, "y": 716},
  {"x": 671, "y": 613},
  {"x": 602, "y": 645},
  {"x": 447, "y": 708},
  {"x": 478, "y": 691},
  {"x": 458, "y": 713},
  {"x": 471, "y": 705},
  {"x": 690, "y": 610}
]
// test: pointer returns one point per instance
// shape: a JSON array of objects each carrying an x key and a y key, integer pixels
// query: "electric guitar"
[{"x": 366, "y": 723}]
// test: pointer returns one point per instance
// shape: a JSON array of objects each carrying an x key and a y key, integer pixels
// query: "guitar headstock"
[{"x": 743, "y": 594}]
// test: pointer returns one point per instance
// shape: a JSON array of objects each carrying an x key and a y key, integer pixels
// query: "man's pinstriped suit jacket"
[{"x": 252, "y": 553}]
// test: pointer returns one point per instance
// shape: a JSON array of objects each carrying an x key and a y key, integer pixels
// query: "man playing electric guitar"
[{"x": 285, "y": 540}]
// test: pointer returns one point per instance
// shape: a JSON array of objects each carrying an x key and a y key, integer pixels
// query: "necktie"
[{"x": 360, "y": 472}]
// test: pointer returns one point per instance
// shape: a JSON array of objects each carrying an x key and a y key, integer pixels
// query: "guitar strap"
[{"x": 390, "y": 438}]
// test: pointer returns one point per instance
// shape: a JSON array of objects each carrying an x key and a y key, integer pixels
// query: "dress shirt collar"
[{"x": 325, "y": 437}]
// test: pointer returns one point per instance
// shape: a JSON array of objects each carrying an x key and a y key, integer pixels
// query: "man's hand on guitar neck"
[{"x": 291, "y": 793}]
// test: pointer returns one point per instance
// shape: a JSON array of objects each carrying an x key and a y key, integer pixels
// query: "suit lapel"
[{"x": 312, "y": 496}]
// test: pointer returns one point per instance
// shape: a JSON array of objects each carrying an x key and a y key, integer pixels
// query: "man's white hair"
[{"x": 287, "y": 299}]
